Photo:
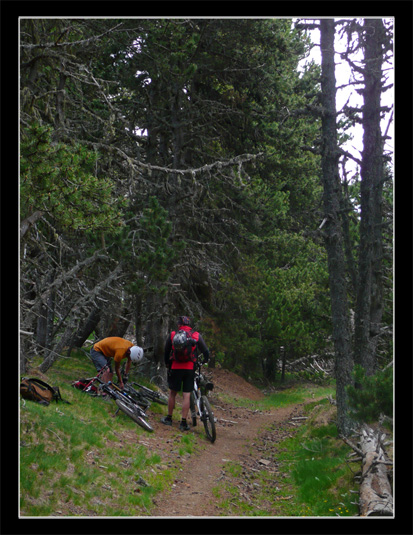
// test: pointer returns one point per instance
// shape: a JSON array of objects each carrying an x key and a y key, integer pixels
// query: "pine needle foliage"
[{"x": 372, "y": 395}]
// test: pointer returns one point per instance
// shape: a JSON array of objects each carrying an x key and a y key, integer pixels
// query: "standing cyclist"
[
  {"x": 181, "y": 350},
  {"x": 118, "y": 349}
]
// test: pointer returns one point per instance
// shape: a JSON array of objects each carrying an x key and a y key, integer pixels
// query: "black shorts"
[{"x": 181, "y": 378}]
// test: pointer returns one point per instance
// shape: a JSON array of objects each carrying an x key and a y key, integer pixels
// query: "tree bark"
[
  {"x": 138, "y": 319},
  {"x": 53, "y": 355},
  {"x": 28, "y": 222},
  {"x": 333, "y": 233},
  {"x": 88, "y": 327},
  {"x": 375, "y": 490},
  {"x": 369, "y": 295}
]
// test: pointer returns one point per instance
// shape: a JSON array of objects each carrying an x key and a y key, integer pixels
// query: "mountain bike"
[
  {"x": 87, "y": 385},
  {"x": 144, "y": 391},
  {"x": 137, "y": 396},
  {"x": 151, "y": 395},
  {"x": 199, "y": 403},
  {"x": 126, "y": 404}
]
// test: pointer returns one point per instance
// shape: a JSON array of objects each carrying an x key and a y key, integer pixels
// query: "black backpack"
[
  {"x": 37, "y": 390},
  {"x": 184, "y": 346}
]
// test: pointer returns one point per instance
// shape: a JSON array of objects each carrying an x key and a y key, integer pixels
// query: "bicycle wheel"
[
  {"x": 208, "y": 419},
  {"x": 192, "y": 408},
  {"x": 132, "y": 413}
]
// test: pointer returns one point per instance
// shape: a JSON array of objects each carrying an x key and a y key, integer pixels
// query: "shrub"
[{"x": 372, "y": 395}]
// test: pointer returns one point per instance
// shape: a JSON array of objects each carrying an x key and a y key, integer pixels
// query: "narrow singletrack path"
[{"x": 191, "y": 493}]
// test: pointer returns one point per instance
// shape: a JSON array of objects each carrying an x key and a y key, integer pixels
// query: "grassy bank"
[
  {"x": 79, "y": 460},
  {"x": 308, "y": 474}
]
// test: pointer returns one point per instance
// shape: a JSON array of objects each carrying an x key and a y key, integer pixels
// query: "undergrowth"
[
  {"x": 318, "y": 470},
  {"x": 79, "y": 460},
  {"x": 308, "y": 474}
]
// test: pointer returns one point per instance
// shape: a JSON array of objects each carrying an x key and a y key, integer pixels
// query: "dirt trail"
[{"x": 200, "y": 473}]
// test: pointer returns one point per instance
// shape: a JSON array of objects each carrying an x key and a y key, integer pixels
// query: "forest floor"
[
  {"x": 240, "y": 474},
  {"x": 238, "y": 431}
]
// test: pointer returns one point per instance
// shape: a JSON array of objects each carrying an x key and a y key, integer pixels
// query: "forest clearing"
[{"x": 223, "y": 171}]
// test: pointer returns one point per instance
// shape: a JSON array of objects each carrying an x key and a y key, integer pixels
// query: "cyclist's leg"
[
  {"x": 185, "y": 404},
  {"x": 108, "y": 375},
  {"x": 187, "y": 387},
  {"x": 174, "y": 383},
  {"x": 171, "y": 401},
  {"x": 99, "y": 360}
]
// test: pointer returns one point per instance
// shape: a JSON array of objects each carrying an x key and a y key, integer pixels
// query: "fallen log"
[{"x": 375, "y": 489}]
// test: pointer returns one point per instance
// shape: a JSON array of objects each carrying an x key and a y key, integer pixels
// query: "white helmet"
[{"x": 136, "y": 353}]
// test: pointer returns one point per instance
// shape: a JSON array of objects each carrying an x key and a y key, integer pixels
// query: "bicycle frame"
[
  {"x": 157, "y": 397},
  {"x": 125, "y": 401},
  {"x": 91, "y": 380},
  {"x": 197, "y": 394},
  {"x": 126, "y": 404},
  {"x": 138, "y": 397},
  {"x": 117, "y": 393},
  {"x": 200, "y": 404}
]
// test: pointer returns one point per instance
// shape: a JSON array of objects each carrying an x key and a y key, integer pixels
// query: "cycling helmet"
[
  {"x": 136, "y": 353},
  {"x": 179, "y": 340},
  {"x": 184, "y": 320}
]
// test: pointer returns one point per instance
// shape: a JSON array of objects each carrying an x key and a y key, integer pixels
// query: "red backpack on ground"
[{"x": 184, "y": 345}]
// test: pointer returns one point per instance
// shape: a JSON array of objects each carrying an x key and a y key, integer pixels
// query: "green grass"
[
  {"x": 188, "y": 444},
  {"x": 294, "y": 395},
  {"x": 74, "y": 458},
  {"x": 319, "y": 472},
  {"x": 83, "y": 462},
  {"x": 287, "y": 396},
  {"x": 312, "y": 479}
]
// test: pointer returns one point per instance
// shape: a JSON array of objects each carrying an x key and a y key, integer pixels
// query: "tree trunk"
[
  {"x": 270, "y": 367},
  {"x": 283, "y": 363},
  {"x": 119, "y": 325},
  {"x": 45, "y": 318},
  {"x": 333, "y": 233},
  {"x": 160, "y": 329},
  {"x": 112, "y": 322},
  {"x": 138, "y": 320},
  {"x": 157, "y": 328},
  {"x": 53, "y": 355},
  {"x": 41, "y": 327},
  {"x": 369, "y": 296},
  {"x": 89, "y": 326}
]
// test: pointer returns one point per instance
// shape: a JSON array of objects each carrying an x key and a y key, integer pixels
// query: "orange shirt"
[{"x": 113, "y": 347}]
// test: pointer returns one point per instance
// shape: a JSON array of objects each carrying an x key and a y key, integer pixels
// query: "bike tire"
[
  {"x": 137, "y": 418},
  {"x": 208, "y": 419}
]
